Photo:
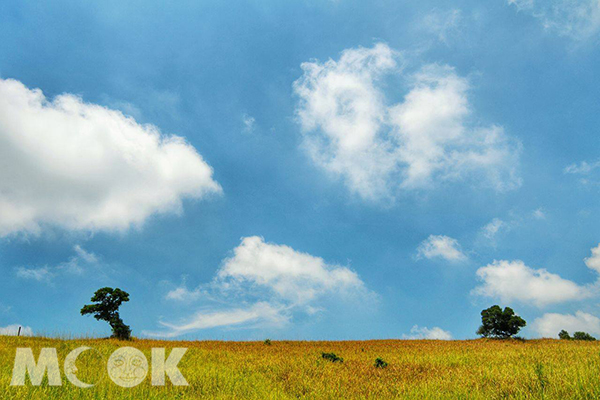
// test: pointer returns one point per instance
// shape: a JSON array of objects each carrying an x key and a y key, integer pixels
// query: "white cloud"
[
  {"x": 182, "y": 293},
  {"x": 549, "y": 325},
  {"x": 293, "y": 276},
  {"x": 275, "y": 280},
  {"x": 249, "y": 122},
  {"x": 593, "y": 262},
  {"x": 578, "y": 19},
  {"x": 76, "y": 265},
  {"x": 434, "y": 333},
  {"x": 441, "y": 246},
  {"x": 81, "y": 166},
  {"x": 522, "y": 4},
  {"x": 260, "y": 313},
  {"x": 513, "y": 280},
  {"x": 582, "y": 168},
  {"x": 443, "y": 23},
  {"x": 539, "y": 214},
  {"x": 377, "y": 148},
  {"x": 84, "y": 255},
  {"x": 492, "y": 229},
  {"x": 13, "y": 330},
  {"x": 36, "y": 274}
]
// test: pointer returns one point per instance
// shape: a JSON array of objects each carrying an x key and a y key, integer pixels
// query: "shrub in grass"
[
  {"x": 268, "y": 342},
  {"x": 380, "y": 363},
  {"x": 332, "y": 357}
]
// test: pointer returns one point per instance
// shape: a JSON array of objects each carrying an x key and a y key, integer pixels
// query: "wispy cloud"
[
  {"x": 577, "y": 19},
  {"x": 494, "y": 227},
  {"x": 260, "y": 313},
  {"x": 582, "y": 168},
  {"x": 443, "y": 24},
  {"x": 76, "y": 265},
  {"x": 249, "y": 123}
]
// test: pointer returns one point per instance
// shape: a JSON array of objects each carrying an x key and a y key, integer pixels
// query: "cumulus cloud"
[
  {"x": 272, "y": 282},
  {"x": 81, "y": 166},
  {"x": 593, "y": 262},
  {"x": 549, "y": 325},
  {"x": 434, "y": 333},
  {"x": 513, "y": 280},
  {"x": 578, "y": 19},
  {"x": 376, "y": 148},
  {"x": 441, "y": 247},
  {"x": 76, "y": 265},
  {"x": 13, "y": 330},
  {"x": 293, "y": 276}
]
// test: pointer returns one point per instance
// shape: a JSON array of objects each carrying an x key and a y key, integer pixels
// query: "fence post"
[{"x": 19, "y": 333}]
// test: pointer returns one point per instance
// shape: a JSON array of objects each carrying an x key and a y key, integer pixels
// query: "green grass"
[{"x": 476, "y": 369}]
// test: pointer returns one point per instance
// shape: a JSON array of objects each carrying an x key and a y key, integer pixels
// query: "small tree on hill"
[
  {"x": 564, "y": 335},
  {"x": 496, "y": 323},
  {"x": 583, "y": 336},
  {"x": 108, "y": 301}
]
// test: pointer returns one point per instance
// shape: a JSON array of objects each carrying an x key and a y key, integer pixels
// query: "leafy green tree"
[
  {"x": 564, "y": 335},
  {"x": 583, "y": 336},
  {"x": 108, "y": 301},
  {"x": 496, "y": 323}
]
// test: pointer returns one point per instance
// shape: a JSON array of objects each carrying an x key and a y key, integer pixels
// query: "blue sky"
[{"x": 307, "y": 169}]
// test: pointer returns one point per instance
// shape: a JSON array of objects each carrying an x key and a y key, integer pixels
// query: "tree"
[
  {"x": 564, "y": 335},
  {"x": 496, "y": 323},
  {"x": 583, "y": 336},
  {"x": 108, "y": 301}
]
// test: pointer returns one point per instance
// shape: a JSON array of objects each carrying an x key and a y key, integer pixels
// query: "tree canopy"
[
  {"x": 106, "y": 308},
  {"x": 498, "y": 323}
]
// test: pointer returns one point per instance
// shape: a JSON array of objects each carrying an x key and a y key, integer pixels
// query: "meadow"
[{"x": 417, "y": 369}]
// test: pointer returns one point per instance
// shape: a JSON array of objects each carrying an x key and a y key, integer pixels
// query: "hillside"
[{"x": 483, "y": 369}]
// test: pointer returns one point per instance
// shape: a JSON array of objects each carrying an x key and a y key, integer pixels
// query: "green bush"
[
  {"x": 380, "y": 363},
  {"x": 332, "y": 357}
]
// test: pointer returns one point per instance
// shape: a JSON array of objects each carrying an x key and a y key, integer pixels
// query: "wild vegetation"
[{"x": 416, "y": 369}]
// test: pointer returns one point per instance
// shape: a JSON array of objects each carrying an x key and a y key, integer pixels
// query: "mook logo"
[{"x": 126, "y": 367}]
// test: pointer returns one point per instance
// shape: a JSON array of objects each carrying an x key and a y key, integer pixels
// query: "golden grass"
[{"x": 475, "y": 369}]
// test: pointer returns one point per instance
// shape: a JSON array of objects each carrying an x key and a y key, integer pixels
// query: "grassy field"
[{"x": 476, "y": 369}]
